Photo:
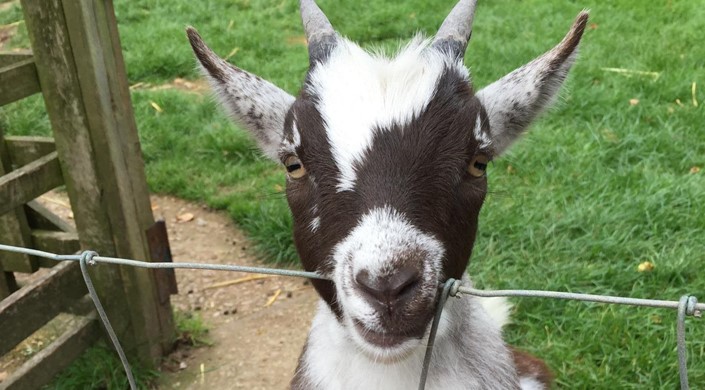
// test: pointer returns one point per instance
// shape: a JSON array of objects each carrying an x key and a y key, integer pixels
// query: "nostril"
[
  {"x": 368, "y": 284},
  {"x": 407, "y": 288},
  {"x": 389, "y": 288},
  {"x": 404, "y": 281}
]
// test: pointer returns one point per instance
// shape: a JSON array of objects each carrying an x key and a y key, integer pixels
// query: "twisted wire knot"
[
  {"x": 690, "y": 307},
  {"x": 454, "y": 288},
  {"x": 87, "y": 257}
]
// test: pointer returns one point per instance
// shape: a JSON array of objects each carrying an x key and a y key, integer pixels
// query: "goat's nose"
[{"x": 389, "y": 289}]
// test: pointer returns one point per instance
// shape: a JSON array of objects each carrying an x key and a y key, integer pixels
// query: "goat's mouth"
[
  {"x": 385, "y": 340},
  {"x": 388, "y": 344}
]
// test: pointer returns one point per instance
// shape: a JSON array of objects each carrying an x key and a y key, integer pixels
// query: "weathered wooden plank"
[
  {"x": 14, "y": 229},
  {"x": 99, "y": 149},
  {"x": 30, "y": 307},
  {"x": 62, "y": 243},
  {"x": 12, "y": 57},
  {"x": 40, "y": 217},
  {"x": 30, "y": 181},
  {"x": 24, "y": 150},
  {"x": 42, "y": 367},
  {"x": 17, "y": 81}
]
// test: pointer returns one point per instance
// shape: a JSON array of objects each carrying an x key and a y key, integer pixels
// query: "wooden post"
[{"x": 82, "y": 74}]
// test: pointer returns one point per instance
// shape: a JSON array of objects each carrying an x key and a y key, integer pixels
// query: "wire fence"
[{"x": 686, "y": 306}]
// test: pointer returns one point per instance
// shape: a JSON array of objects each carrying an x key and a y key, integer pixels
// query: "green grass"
[
  {"x": 100, "y": 368},
  {"x": 597, "y": 187},
  {"x": 191, "y": 329}
]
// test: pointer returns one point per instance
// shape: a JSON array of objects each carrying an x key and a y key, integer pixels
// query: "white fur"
[
  {"x": 527, "y": 383},
  {"x": 359, "y": 92},
  {"x": 288, "y": 145},
  {"x": 315, "y": 224},
  {"x": 316, "y": 219},
  {"x": 482, "y": 138},
  {"x": 498, "y": 308},
  {"x": 382, "y": 233},
  {"x": 295, "y": 135}
]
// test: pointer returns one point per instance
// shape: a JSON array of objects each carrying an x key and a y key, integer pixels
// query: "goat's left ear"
[
  {"x": 516, "y": 99},
  {"x": 258, "y": 105}
]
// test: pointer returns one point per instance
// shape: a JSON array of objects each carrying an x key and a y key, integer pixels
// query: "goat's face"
[
  {"x": 386, "y": 160},
  {"x": 386, "y": 180}
]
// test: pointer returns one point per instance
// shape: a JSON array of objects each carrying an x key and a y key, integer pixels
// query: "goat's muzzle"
[{"x": 401, "y": 305}]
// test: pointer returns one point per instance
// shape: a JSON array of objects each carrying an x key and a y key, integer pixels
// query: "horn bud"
[
  {"x": 453, "y": 35},
  {"x": 320, "y": 35}
]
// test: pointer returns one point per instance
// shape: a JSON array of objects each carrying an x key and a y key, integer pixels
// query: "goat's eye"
[
  {"x": 478, "y": 165},
  {"x": 294, "y": 167}
]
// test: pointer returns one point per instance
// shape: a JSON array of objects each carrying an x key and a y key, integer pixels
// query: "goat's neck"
[{"x": 469, "y": 353}]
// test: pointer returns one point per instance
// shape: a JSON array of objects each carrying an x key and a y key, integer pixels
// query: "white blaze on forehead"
[{"x": 359, "y": 92}]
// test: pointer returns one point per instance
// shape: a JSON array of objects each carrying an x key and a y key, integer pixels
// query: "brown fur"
[{"x": 532, "y": 367}]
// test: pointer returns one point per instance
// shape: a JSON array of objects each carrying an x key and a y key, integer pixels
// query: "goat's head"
[{"x": 386, "y": 162}]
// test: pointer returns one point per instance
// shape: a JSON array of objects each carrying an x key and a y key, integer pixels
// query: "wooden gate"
[{"x": 76, "y": 64}]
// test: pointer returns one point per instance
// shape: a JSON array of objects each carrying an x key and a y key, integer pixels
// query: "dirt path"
[
  {"x": 255, "y": 346},
  {"x": 255, "y": 340}
]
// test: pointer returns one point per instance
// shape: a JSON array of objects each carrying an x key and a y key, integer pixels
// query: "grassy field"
[{"x": 607, "y": 180}]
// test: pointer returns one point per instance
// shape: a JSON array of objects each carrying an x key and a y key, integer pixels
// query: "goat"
[{"x": 386, "y": 161}]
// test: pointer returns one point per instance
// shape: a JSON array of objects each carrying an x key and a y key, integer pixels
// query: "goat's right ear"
[
  {"x": 516, "y": 99},
  {"x": 256, "y": 104}
]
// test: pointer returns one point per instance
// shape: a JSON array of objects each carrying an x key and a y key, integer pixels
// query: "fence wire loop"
[
  {"x": 687, "y": 305},
  {"x": 87, "y": 257},
  {"x": 690, "y": 307},
  {"x": 454, "y": 288}
]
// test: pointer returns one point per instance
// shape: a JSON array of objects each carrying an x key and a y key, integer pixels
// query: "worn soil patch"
[{"x": 256, "y": 338}]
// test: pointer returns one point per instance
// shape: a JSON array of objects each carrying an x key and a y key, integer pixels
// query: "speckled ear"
[
  {"x": 258, "y": 105},
  {"x": 516, "y": 99}
]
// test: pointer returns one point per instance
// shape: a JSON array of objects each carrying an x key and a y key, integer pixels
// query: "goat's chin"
[
  {"x": 382, "y": 348},
  {"x": 388, "y": 355}
]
